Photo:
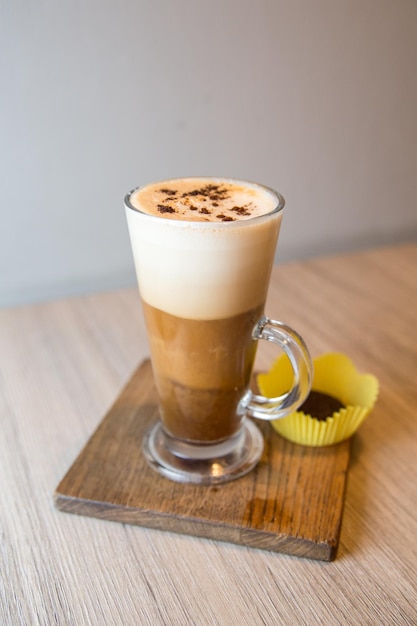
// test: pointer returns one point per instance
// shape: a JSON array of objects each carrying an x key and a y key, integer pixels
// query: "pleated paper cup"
[{"x": 336, "y": 376}]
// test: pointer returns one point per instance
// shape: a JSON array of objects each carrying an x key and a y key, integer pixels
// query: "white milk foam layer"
[{"x": 204, "y": 270}]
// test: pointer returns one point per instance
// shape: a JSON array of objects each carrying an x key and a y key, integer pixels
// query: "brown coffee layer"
[
  {"x": 202, "y": 369},
  {"x": 203, "y": 415}
]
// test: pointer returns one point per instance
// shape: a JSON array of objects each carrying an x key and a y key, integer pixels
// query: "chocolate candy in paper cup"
[{"x": 340, "y": 400}]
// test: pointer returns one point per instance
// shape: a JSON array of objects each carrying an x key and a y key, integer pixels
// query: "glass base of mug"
[{"x": 204, "y": 464}]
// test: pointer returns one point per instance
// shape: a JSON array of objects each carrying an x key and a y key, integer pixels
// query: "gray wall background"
[{"x": 317, "y": 98}]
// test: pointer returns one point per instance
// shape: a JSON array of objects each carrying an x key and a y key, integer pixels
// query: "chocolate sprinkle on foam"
[
  {"x": 165, "y": 209},
  {"x": 169, "y": 192},
  {"x": 198, "y": 200}
]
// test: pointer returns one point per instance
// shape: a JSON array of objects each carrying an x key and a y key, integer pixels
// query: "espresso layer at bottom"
[{"x": 202, "y": 368}]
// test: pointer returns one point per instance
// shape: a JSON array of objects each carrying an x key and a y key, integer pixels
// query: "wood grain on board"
[{"x": 292, "y": 502}]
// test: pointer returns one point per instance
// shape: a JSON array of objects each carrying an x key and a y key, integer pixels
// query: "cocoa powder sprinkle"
[
  {"x": 203, "y": 200},
  {"x": 169, "y": 192},
  {"x": 162, "y": 208},
  {"x": 241, "y": 210}
]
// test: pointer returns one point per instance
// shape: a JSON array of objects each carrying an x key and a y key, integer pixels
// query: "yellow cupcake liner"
[{"x": 335, "y": 375}]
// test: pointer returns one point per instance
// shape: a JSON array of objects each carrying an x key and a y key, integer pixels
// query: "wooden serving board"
[{"x": 292, "y": 502}]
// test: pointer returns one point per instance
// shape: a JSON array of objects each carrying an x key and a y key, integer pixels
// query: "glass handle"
[{"x": 293, "y": 345}]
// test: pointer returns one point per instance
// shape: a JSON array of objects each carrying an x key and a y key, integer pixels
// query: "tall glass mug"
[{"x": 203, "y": 251}]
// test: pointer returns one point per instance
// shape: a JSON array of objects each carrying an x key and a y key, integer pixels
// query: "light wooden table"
[{"x": 61, "y": 366}]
